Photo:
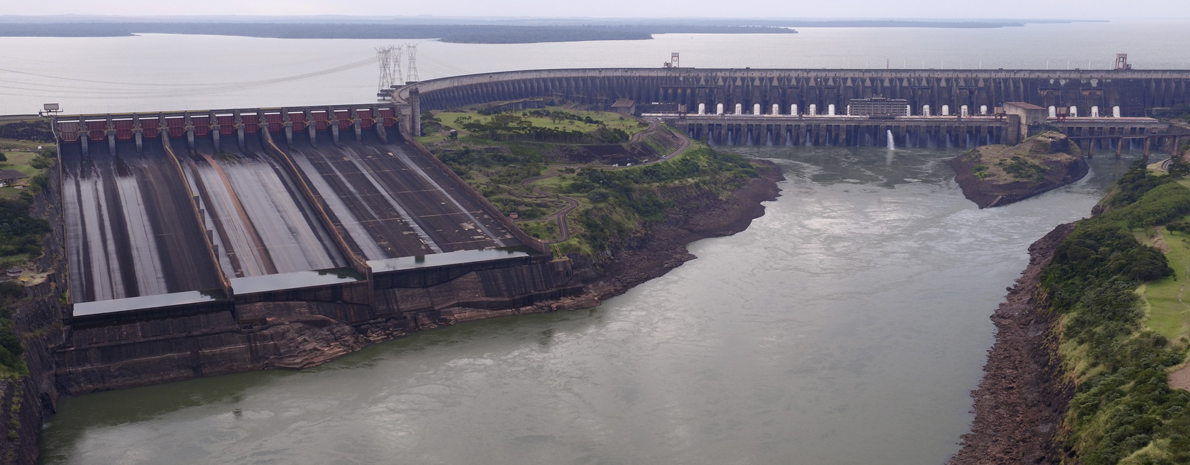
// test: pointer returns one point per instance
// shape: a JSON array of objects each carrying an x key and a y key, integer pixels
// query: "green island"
[
  {"x": 1116, "y": 286},
  {"x": 997, "y": 175},
  {"x": 582, "y": 181}
]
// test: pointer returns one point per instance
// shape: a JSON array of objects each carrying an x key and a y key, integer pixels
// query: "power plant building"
[{"x": 878, "y": 106}]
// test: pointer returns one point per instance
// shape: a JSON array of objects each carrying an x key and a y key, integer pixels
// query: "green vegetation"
[
  {"x": 1022, "y": 169},
  {"x": 529, "y": 163},
  {"x": 20, "y": 234},
  {"x": 33, "y": 131},
  {"x": 620, "y": 204},
  {"x": 1123, "y": 410},
  {"x": 550, "y": 124},
  {"x": 1028, "y": 161}
]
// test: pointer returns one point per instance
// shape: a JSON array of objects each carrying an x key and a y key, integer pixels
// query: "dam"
[
  {"x": 222, "y": 225},
  {"x": 195, "y": 239},
  {"x": 957, "y": 108}
]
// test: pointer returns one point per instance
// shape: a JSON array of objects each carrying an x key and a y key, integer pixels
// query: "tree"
[{"x": 3, "y": 158}]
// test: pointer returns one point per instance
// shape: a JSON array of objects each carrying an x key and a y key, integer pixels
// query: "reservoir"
[{"x": 846, "y": 325}]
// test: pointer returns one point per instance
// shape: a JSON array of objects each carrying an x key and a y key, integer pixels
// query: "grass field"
[
  {"x": 1167, "y": 315},
  {"x": 9, "y": 144},
  {"x": 610, "y": 120}
]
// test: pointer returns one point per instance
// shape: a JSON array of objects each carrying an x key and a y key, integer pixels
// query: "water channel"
[{"x": 847, "y": 325}]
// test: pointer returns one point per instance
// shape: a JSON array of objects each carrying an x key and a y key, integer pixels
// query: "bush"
[
  {"x": 599, "y": 196},
  {"x": 1123, "y": 402}
]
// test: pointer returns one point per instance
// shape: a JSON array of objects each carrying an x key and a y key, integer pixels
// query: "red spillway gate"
[
  {"x": 123, "y": 129},
  {"x": 299, "y": 120},
  {"x": 97, "y": 130},
  {"x": 68, "y": 130},
  {"x": 150, "y": 128},
  {"x": 365, "y": 118},
  {"x": 274, "y": 122},
  {"x": 251, "y": 123},
  {"x": 387, "y": 116},
  {"x": 176, "y": 126},
  {"x": 321, "y": 120},
  {"x": 202, "y": 125},
  {"x": 227, "y": 124},
  {"x": 344, "y": 118}
]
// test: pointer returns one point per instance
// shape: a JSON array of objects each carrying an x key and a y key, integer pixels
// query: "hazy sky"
[{"x": 1035, "y": 9}]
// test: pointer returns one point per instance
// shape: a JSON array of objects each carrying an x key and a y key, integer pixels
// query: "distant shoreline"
[
  {"x": 495, "y": 32},
  {"x": 472, "y": 34}
]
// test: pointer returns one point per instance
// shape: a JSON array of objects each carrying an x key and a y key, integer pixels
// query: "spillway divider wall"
[
  {"x": 530, "y": 241},
  {"x": 224, "y": 281}
]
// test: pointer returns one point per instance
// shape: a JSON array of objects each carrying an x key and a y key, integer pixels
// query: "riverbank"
[
  {"x": 1022, "y": 399},
  {"x": 699, "y": 216}
]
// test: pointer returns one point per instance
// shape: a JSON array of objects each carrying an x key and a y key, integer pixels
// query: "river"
[{"x": 847, "y": 325}]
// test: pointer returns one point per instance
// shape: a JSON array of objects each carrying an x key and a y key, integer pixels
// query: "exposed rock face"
[
  {"x": 1021, "y": 401},
  {"x": 997, "y": 175}
]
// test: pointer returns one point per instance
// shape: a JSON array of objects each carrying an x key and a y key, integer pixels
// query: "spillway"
[
  {"x": 263, "y": 225},
  {"x": 168, "y": 214},
  {"x": 392, "y": 203},
  {"x": 129, "y": 229}
]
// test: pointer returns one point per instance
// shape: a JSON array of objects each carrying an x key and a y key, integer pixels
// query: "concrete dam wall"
[
  {"x": 1133, "y": 91},
  {"x": 945, "y": 108}
]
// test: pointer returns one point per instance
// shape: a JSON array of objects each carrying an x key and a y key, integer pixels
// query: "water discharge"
[{"x": 847, "y": 325}]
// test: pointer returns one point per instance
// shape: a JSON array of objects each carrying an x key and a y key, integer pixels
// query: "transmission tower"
[
  {"x": 412, "y": 63},
  {"x": 384, "y": 55},
  {"x": 397, "y": 73}
]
